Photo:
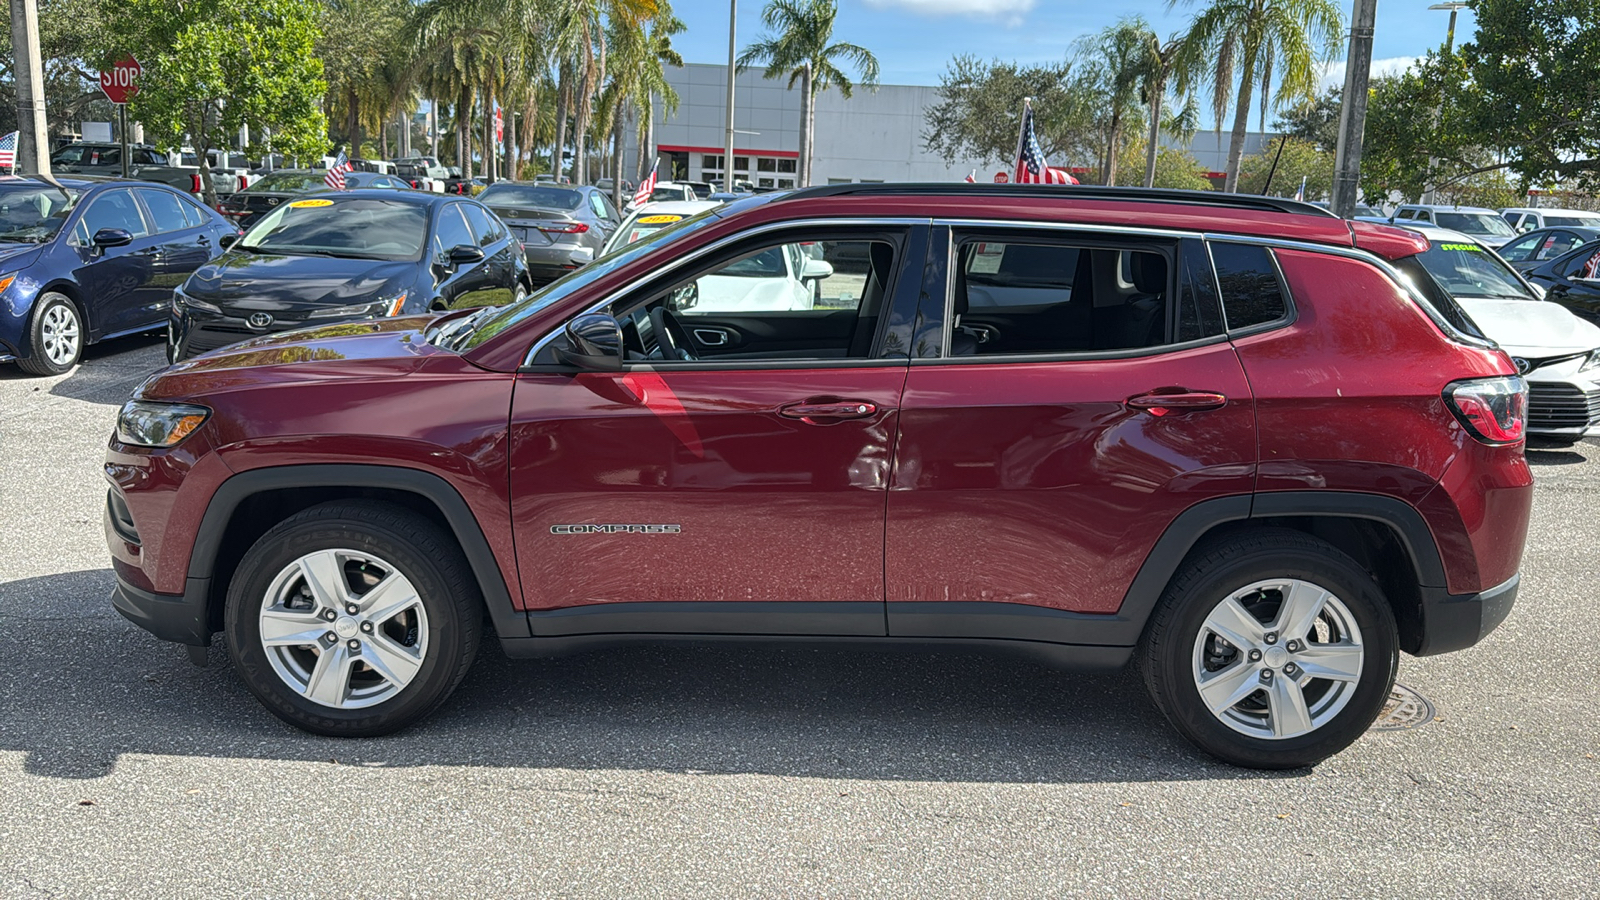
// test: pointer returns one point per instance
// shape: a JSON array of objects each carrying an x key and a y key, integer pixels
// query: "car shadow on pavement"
[
  {"x": 110, "y": 370},
  {"x": 81, "y": 687},
  {"x": 1561, "y": 455}
]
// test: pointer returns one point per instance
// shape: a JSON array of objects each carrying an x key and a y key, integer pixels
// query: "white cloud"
[
  {"x": 1008, "y": 11},
  {"x": 1333, "y": 73}
]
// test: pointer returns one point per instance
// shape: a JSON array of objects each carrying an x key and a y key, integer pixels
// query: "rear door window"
[
  {"x": 1252, "y": 293},
  {"x": 165, "y": 209},
  {"x": 484, "y": 226}
]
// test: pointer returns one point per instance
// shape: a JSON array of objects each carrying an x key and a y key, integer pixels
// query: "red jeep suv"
[{"x": 1247, "y": 445}]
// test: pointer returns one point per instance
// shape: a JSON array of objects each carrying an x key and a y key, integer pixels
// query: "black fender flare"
[{"x": 508, "y": 621}]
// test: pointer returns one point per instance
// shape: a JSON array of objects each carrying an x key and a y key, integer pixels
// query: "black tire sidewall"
[
  {"x": 451, "y": 634},
  {"x": 1169, "y": 671}
]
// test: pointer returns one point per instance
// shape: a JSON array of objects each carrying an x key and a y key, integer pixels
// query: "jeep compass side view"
[{"x": 1240, "y": 443}]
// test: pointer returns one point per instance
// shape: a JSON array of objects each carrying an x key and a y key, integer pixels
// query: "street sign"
[{"x": 121, "y": 82}]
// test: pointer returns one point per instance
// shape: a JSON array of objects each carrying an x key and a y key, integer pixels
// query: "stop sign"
[{"x": 122, "y": 81}]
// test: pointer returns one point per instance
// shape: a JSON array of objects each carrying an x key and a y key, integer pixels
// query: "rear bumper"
[
  {"x": 181, "y": 619},
  {"x": 1457, "y": 621}
]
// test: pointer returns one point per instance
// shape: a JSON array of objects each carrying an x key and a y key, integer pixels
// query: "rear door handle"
[
  {"x": 828, "y": 410},
  {"x": 1159, "y": 404}
]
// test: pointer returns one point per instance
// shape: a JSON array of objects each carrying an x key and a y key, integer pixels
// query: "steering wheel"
[{"x": 670, "y": 336}]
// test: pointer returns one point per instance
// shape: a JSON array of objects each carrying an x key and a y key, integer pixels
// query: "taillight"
[
  {"x": 568, "y": 228},
  {"x": 414, "y": 184},
  {"x": 196, "y": 189},
  {"x": 1494, "y": 410}
]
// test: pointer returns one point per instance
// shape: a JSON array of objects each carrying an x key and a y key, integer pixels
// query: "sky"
[{"x": 915, "y": 39}]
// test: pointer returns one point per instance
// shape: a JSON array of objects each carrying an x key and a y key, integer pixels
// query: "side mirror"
[
  {"x": 464, "y": 255},
  {"x": 596, "y": 343},
  {"x": 228, "y": 240},
  {"x": 112, "y": 237},
  {"x": 815, "y": 269}
]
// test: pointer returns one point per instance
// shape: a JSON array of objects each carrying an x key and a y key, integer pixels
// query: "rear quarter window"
[{"x": 1252, "y": 293}]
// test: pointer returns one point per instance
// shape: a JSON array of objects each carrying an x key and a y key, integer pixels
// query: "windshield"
[
  {"x": 497, "y": 319},
  {"x": 352, "y": 226},
  {"x": 1586, "y": 221},
  {"x": 288, "y": 183},
  {"x": 33, "y": 213},
  {"x": 531, "y": 196},
  {"x": 1474, "y": 223},
  {"x": 1468, "y": 270}
]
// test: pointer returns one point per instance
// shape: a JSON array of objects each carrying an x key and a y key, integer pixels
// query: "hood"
[
  {"x": 1531, "y": 328},
  {"x": 376, "y": 347},
  {"x": 17, "y": 256},
  {"x": 262, "y": 282}
]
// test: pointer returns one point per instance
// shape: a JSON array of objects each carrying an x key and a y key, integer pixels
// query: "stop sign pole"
[{"x": 119, "y": 84}]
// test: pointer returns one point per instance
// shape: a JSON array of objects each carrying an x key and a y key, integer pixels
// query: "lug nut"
[
  {"x": 331, "y": 638},
  {"x": 329, "y": 615},
  {"x": 1294, "y": 646},
  {"x": 1291, "y": 670},
  {"x": 353, "y": 644},
  {"x": 352, "y": 609},
  {"x": 1266, "y": 674},
  {"x": 1255, "y": 655},
  {"x": 1271, "y": 638},
  {"x": 366, "y": 627}
]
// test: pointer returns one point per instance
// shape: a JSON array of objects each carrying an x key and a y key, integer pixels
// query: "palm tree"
[
  {"x": 1247, "y": 42},
  {"x": 1160, "y": 66},
  {"x": 1122, "y": 50},
  {"x": 801, "y": 47},
  {"x": 641, "y": 55}
]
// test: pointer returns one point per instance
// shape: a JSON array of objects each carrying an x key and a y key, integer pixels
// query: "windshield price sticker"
[
  {"x": 309, "y": 204},
  {"x": 986, "y": 260},
  {"x": 659, "y": 220}
]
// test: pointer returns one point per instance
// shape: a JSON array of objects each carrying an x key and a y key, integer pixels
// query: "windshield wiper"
[{"x": 298, "y": 251}]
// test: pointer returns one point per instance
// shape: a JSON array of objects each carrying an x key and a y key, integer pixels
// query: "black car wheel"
[
  {"x": 353, "y": 619},
  {"x": 56, "y": 335},
  {"x": 1271, "y": 649}
]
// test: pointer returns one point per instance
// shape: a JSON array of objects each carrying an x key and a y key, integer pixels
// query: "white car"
[
  {"x": 1557, "y": 352},
  {"x": 653, "y": 217},
  {"x": 1485, "y": 225},
  {"x": 668, "y": 191},
  {"x": 1523, "y": 220}
]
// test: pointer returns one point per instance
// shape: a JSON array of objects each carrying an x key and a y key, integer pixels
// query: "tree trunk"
[
  {"x": 618, "y": 120},
  {"x": 1241, "y": 123},
  {"x": 1154, "y": 137},
  {"x": 530, "y": 125},
  {"x": 557, "y": 155},
  {"x": 1109, "y": 173},
  {"x": 511, "y": 168},
  {"x": 647, "y": 147},
  {"x": 463, "y": 121},
  {"x": 489, "y": 155},
  {"x": 352, "y": 123},
  {"x": 808, "y": 120}
]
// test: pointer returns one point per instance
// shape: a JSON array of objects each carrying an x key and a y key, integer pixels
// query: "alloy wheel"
[{"x": 60, "y": 334}]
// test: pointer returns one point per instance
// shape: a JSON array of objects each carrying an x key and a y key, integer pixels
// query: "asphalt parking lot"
[{"x": 126, "y": 771}]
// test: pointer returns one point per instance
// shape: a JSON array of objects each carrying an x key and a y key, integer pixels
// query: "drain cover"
[{"x": 1405, "y": 710}]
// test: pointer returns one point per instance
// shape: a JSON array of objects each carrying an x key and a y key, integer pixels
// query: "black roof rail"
[{"x": 1067, "y": 191}]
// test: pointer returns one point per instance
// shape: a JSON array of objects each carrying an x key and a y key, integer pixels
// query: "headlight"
[
  {"x": 179, "y": 298},
  {"x": 389, "y": 307},
  {"x": 147, "y": 423},
  {"x": 1592, "y": 363}
]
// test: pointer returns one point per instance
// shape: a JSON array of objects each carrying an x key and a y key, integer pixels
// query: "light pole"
[
  {"x": 727, "y": 144},
  {"x": 1454, "y": 6},
  {"x": 1353, "y": 111}
]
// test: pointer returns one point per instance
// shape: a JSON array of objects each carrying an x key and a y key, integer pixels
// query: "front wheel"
[
  {"x": 57, "y": 336},
  {"x": 1271, "y": 650},
  {"x": 353, "y": 619}
]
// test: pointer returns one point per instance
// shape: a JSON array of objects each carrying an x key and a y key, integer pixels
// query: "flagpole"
[{"x": 1022, "y": 127}]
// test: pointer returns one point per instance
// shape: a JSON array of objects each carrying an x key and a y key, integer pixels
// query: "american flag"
[
  {"x": 646, "y": 187},
  {"x": 335, "y": 177},
  {"x": 1031, "y": 167},
  {"x": 1300, "y": 195},
  {"x": 8, "y": 150},
  {"x": 972, "y": 177}
]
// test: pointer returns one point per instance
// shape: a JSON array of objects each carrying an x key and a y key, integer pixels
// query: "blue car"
[{"x": 86, "y": 259}]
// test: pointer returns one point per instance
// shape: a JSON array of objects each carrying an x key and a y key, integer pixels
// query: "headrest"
[{"x": 1149, "y": 273}]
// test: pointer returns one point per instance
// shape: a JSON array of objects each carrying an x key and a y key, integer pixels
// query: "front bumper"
[
  {"x": 182, "y": 619},
  {"x": 1456, "y": 621}
]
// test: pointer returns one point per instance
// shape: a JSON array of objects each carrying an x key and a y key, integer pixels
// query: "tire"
[
  {"x": 56, "y": 334},
  {"x": 403, "y": 666},
  {"x": 1257, "y": 722}
]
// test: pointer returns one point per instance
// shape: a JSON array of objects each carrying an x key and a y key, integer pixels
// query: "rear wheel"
[
  {"x": 353, "y": 619},
  {"x": 57, "y": 336},
  {"x": 1273, "y": 650}
]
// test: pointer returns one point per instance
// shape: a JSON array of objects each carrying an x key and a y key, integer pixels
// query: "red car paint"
[{"x": 1035, "y": 484}]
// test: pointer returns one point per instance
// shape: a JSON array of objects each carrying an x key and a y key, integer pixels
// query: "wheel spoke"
[
  {"x": 290, "y": 628},
  {"x": 1336, "y": 662},
  {"x": 331, "y": 677},
  {"x": 325, "y": 579},
  {"x": 1302, "y": 603},
  {"x": 1233, "y": 622},
  {"x": 392, "y": 596},
  {"x": 397, "y": 664},
  {"x": 1222, "y": 690},
  {"x": 1287, "y": 705}
]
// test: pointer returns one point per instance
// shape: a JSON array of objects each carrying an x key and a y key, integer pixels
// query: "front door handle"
[
  {"x": 1157, "y": 403},
  {"x": 827, "y": 410}
]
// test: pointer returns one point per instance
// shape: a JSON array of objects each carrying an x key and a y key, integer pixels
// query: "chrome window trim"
[{"x": 686, "y": 259}]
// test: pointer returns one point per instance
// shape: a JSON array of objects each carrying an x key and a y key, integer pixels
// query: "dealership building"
[{"x": 876, "y": 135}]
